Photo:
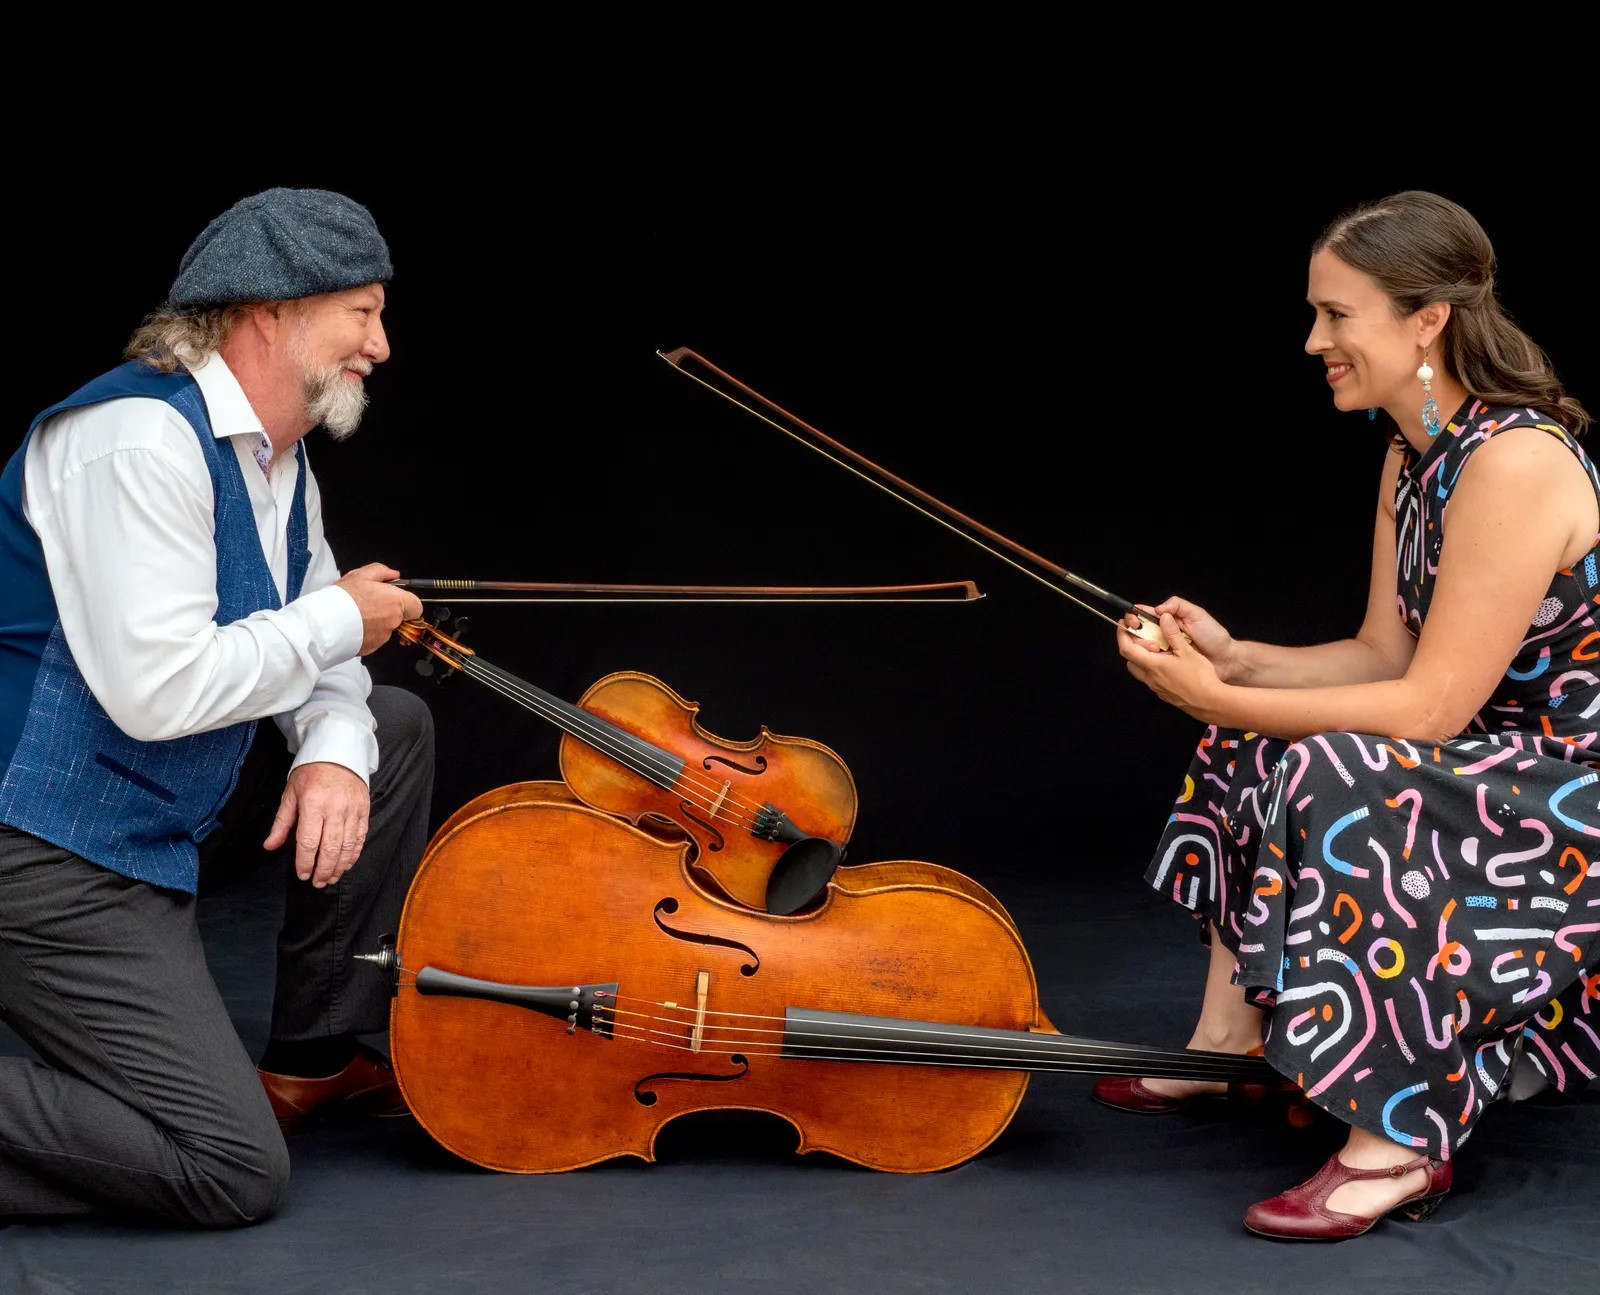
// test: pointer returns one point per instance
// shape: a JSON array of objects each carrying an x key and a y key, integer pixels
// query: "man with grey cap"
[{"x": 167, "y": 586}]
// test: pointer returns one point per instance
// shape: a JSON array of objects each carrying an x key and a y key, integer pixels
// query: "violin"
[
  {"x": 768, "y": 818},
  {"x": 565, "y": 987}
]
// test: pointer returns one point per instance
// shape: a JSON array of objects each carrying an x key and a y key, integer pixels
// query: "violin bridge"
[
  {"x": 702, "y": 983},
  {"x": 721, "y": 796}
]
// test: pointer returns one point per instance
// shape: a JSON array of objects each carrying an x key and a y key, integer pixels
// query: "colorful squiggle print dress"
[{"x": 1412, "y": 915}]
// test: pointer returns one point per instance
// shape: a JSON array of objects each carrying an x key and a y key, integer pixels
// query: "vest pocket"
[{"x": 136, "y": 778}]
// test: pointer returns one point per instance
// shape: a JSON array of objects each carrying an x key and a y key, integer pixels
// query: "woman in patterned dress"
[{"x": 1393, "y": 841}]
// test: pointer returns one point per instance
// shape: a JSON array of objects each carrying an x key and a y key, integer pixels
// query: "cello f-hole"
[
  {"x": 670, "y": 905},
  {"x": 645, "y": 1097}
]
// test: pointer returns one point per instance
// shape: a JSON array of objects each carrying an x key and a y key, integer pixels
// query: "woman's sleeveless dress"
[{"x": 1414, "y": 915}]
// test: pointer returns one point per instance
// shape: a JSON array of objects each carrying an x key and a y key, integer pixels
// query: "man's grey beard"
[
  {"x": 335, "y": 402},
  {"x": 331, "y": 400}
]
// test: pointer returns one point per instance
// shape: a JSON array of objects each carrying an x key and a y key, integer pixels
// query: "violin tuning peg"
[{"x": 424, "y": 667}]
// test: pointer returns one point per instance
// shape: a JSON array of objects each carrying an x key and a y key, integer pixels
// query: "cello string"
[
  {"x": 1000, "y": 1047},
  {"x": 1071, "y": 1056},
  {"x": 1030, "y": 1046}
]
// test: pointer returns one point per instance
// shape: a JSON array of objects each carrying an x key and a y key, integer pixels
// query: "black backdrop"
[
  {"x": 1109, "y": 374},
  {"x": 1083, "y": 331}
]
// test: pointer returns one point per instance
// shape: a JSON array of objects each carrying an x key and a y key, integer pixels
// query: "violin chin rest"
[{"x": 800, "y": 874}]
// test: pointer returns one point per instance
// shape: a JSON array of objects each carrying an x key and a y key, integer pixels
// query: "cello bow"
[{"x": 696, "y": 367}]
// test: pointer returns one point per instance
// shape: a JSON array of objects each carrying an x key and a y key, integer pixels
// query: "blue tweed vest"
[{"x": 70, "y": 775}]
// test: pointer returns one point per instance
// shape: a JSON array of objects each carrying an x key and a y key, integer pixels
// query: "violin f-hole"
[
  {"x": 761, "y": 764},
  {"x": 717, "y": 841}
]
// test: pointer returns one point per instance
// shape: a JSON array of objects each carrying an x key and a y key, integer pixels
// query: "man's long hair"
[{"x": 167, "y": 339}]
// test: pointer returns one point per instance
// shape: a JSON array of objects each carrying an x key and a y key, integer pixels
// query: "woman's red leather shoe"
[
  {"x": 1302, "y": 1213},
  {"x": 1133, "y": 1096}
]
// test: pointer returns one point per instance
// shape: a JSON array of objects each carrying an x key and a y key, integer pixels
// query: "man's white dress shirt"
[{"x": 121, "y": 499}]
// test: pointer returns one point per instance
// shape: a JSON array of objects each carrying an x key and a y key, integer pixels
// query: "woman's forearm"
[
  {"x": 1392, "y": 707},
  {"x": 1323, "y": 665}
]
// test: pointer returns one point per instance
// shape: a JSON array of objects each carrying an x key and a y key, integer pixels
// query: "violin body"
[
  {"x": 767, "y": 820},
  {"x": 731, "y": 781},
  {"x": 528, "y": 886}
]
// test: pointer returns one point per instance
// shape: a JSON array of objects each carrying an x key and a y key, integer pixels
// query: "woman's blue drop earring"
[
  {"x": 1430, "y": 410},
  {"x": 1371, "y": 414}
]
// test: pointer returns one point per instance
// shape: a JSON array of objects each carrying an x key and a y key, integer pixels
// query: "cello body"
[{"x": 528, "y": 886}]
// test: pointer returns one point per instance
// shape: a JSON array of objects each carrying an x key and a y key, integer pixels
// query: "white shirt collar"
[{"x": 226, "y": 404}]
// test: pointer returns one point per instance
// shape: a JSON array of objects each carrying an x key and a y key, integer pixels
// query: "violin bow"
[
  {"x": 696, "y": 367},
  {"x": 533, "y": 591}
]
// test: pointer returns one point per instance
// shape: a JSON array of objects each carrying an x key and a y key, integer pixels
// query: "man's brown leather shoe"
[{"x": 366, "y": 1086}]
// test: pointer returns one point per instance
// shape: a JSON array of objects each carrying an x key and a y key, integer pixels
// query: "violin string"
[
  {"x": 597, "y": 735},
  {"x": 1029, "y": 1049},
  {"x": 701, "y": 791}
]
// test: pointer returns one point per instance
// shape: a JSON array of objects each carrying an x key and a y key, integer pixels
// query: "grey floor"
[{"x": 1070, "y": 1197}]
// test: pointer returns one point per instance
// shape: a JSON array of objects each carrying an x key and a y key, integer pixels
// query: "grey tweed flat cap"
[{"x": 281, "y": 245}]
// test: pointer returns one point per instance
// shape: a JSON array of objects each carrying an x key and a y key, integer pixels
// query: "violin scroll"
[{"x": 439, "y": 646}]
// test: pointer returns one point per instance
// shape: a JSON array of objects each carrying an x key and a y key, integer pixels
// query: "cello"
[
  {"x": 567, "y": 981},
  {"x": 565, "y": 987}
]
